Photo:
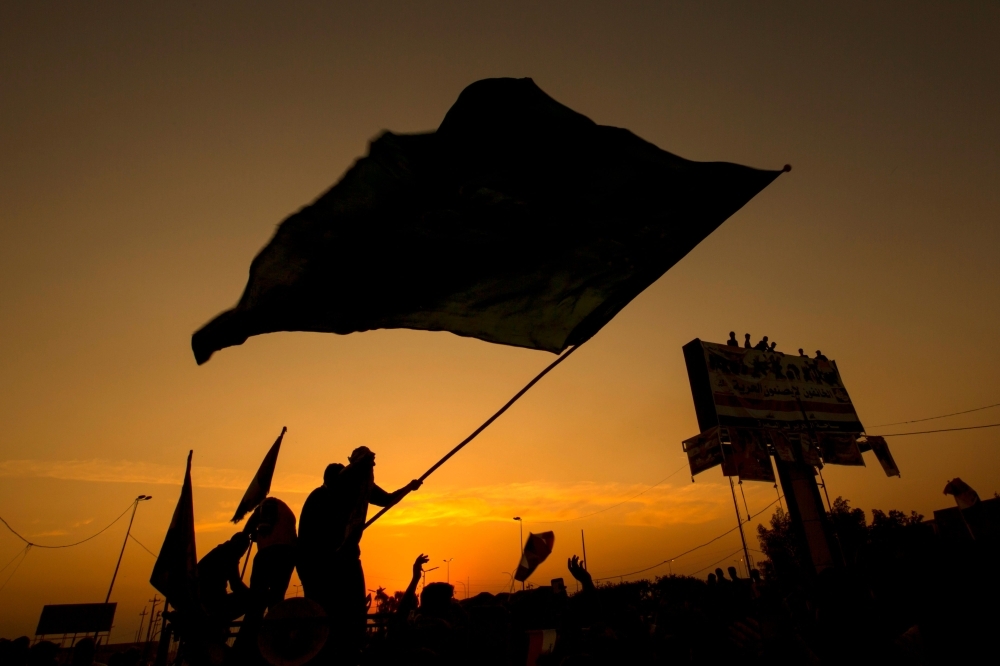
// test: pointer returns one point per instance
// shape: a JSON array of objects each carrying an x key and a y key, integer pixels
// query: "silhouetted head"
[
  {"x": 720, "y": 574},
  {"x": 801, "y": 353},
  {"x": 331, "y": 473},
  {"x": 732, "y": 335},
  {"x": 818, "y": 353},
  {"x": 83, "y": 652},
  {"x": 747, "y": 337},
  {"x": 240, "y": 542},
  {"x": 764, "y": 339},
  {"x": 712, "y": 580},
  {"x": 362, "y": 456},
  {"x": 773, "y": 345},
  {"x": 732, "y": 573},
  {"x": 435, "y": 599}
]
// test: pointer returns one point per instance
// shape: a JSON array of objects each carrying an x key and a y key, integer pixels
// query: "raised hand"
[
  {"x": 413, "y": 485},
  {"x": 418, "y": 565},
  {"x": 575, "y": 567}
]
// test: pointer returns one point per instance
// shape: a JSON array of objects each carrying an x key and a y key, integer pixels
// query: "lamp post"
[
  {"x": 520, "y": 546},
  {"x": 448, "y": 562},
  {"x": 464, "y": 587},
  {"x": 671, "y": 565},
  {"x": 424, "y": 572},
  {"x": 140, "y": 498}
]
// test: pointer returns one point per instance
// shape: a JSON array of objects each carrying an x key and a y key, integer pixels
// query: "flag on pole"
[
  {"x": 518, "y": 222},
  {"x": 259, "y": 488},
  {"x": 175, "y": 573},
  {"x": 537, "y": 549},
  {"x": 840, "y": 449}
]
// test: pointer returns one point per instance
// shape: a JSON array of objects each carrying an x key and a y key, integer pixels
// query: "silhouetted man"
[
  {"x": 732, "y": 340},
  {"x": 746, "y": 342},
  {"x": 762, "y": 345},
  {"x": 772, "y": 347},
  {"x": 221, "y": 566},
  {"x": 802, "y": 353},
  {"x": 820, "y": 357},
  {"x": 317, "y": 541},
  {"x": 272, "y": 527},
  {"x": 342, "y": 591}
]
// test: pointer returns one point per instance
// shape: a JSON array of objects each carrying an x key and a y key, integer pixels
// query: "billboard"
[
  {"x": 76, "y": 619},
  {"x": 751, "y": 388}
]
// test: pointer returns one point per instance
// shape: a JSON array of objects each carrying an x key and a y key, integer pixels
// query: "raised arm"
[
  {"x": 409, "y": 600},
  {"x": 380, "y": 497}
]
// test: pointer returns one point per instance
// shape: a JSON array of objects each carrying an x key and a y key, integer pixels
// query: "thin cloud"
[{"x": 538, "y": 502}]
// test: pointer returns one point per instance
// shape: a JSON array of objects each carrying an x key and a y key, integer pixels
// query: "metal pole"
[
  {"x": 565, "y": 355},
  {"x": 583, "y": 542},
  {"x": 127, "y": 532},
  {"x": 739, "y": 520}
]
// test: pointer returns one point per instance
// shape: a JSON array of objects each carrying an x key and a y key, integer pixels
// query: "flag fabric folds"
[
  {"x": 519, "y": 222},
  {"x": 880, "y": 448},
  {"x": 536, "y": 550},
  {"x": 260, "y": 486},
  {"x": 782, "y": 446},
  {"x": 175, "y": 573}
]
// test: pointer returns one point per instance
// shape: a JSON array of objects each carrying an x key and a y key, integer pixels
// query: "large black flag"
[{"x": 519, "y": 221}]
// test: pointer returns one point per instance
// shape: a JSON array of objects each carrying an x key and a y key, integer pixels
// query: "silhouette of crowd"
[{"x": 907, "y": 591}]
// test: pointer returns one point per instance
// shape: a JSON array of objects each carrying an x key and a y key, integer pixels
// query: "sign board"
[
  {"x": 76, "y": 619},
  {"x": 751, "y": 388}
]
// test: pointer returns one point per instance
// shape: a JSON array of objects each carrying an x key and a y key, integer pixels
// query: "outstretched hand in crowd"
[{"x": 575, "y": 567}]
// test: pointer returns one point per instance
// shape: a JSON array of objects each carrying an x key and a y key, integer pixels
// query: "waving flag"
[
  {"x": 536, "y": 550},
  {"x": 175, "y": 573},
  {"x": 519, "y": 222},
  {"x": 260, "y": 486}
]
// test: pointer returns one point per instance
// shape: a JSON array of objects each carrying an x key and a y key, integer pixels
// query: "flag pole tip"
[
  {"x": 787, "y": 168},
  {"x": 283, "y": 429}
]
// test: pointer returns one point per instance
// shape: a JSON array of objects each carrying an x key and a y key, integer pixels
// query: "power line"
[
  {"x": 68, "y": 545},
  {"x": 25, "y": 552},
  {"x": 687, "y": 552},
  {"x": 931, "y": 418},
  {"x": 717, "y": 561},
  {"x": 615, "y": 506},
  {"x": 142, "y": 546},
  {"x": 927, "y": 432}
]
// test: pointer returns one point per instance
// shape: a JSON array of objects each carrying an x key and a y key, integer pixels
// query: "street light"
[
  {"x": 424, "y": 572},
  {"x": 671, "y": 565},
  {"x": 464, "y": 587},
  {"x": 520, "y": 545},
  {"x": 140, "y": 498},
  {"x": 448, "y": 562}
]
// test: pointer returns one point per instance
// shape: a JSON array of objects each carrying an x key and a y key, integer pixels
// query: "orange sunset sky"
[{"x": 148, "y": 152}]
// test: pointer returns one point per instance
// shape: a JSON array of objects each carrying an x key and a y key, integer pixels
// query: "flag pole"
[{"x": 485, "y": 425}]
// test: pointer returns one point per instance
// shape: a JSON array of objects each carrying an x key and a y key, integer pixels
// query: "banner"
[
  {"x": 840, "y": 449},
  {"x": 704, "y": 451},
  {"x": 781, "y": 444},
  {"x": 751, "y": 388},
  {"x": 881, "y": 450},
  {"x": 807, "y": 449},
  {"x": 750, "y": 453}
]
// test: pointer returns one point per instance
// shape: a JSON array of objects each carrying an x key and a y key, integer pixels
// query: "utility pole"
[
  {"x": 155, "y": 600},
  {"x": 448, "y": 562},
  {"x": 583, "y": 542},
  {"x": 140, "y": 498},
  {"x": 142, "y": 620}
]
